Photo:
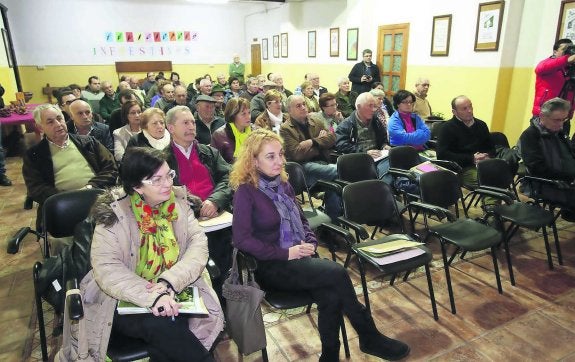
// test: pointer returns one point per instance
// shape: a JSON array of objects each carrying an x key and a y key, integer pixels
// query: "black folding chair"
[{"x": 439, "y": 191}]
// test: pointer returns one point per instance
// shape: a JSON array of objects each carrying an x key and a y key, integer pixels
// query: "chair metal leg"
[
  {"x": 547, "y": 247},
  {"x": 508, "y": 256},
  {"x": 447, "y": 276},
  {"x": 265, "y": 355},
  {"x": 363, "y": 284},
  {"x": 557, "y": 247},
  {"x": 496, "y": 269},
  {"x": 40, "y": 312},
  {"x": 431, "y": 293},
  {"x": 344, "y": 338}
]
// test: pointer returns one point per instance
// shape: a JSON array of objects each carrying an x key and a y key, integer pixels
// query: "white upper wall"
[
  {"x": 66, "y": 32},
  {"x": 61, "y": 32}
]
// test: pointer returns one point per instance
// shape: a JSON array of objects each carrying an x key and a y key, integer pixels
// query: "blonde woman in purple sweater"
[{"x": 269, "y": 225}]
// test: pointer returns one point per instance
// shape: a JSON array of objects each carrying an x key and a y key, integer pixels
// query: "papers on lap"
[
  {"x": 221, "y": 221},
  {"x": 382, "y": 154},
  {"x": 425, "y": 167},
  {"x": 392, "y": 251},
  {"x": 190, "y": 300}
]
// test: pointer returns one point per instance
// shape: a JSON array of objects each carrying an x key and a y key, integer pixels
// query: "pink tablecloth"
[{"x": 16, "y": 119}]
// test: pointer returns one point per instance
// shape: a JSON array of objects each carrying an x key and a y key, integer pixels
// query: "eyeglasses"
[
  {"x": 134, "y": 113},
  {"x": 407, "y": 102},
  {"x": 159, "y": 180}
]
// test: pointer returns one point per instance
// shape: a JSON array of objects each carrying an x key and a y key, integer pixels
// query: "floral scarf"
[
  {"x": 291, "y": 227},
  {"x": 158, "y": 247}
]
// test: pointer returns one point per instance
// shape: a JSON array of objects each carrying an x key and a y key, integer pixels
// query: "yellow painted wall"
[
  {"x": 501, "y": 96},
  {"x": 7, "y": 81},
  {"x": 33, "y": 79}
]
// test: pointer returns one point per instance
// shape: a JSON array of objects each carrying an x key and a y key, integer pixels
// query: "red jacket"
[{"x": 549, "y": 80}]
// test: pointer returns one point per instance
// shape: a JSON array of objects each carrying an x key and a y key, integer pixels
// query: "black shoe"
[
  {"x": 28, "y": 203},
  {"x": 5, "y": 181},
  {"x": 383, "y": 347}
]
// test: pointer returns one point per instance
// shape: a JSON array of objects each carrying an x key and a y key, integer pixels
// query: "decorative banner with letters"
[{"x": 137, "y": 44}]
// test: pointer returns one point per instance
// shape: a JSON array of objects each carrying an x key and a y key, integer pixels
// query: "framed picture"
[
  {"x": 352, "y": 36},
  {"x": 334, "y": 42},
  {"x": 276, "y": 46},
  {"x": 488, "y": 30},
  {"x": 311, "y": 38},
  {"x": 7, "y": 48},
  {"x": 566, "y": 23},
  {"x": 265, "y": 48},
  {"x": 441, "y": 35},
  {"x": 284, "y": 45}
]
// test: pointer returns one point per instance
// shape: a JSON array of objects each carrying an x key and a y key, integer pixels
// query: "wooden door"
[
  {"x": 256, "y": 59},
  {"x": 392, "y": 42}
]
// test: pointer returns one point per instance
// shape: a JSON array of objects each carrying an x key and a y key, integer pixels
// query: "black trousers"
[
  {"x": 167, "y": 340},
  {"x": 220, "y": 251},
  {"x": 330, "y": 287}
]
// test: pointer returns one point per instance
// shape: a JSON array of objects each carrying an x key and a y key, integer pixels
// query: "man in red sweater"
[{"x": 551, "y": 75}]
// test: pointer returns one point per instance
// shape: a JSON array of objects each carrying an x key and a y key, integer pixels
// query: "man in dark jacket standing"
[{"x": 364, "y": 73}]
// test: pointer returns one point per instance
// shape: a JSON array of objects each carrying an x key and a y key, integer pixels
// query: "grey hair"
[
  {"x": 377, "y": 92},
  {"x": 171, "y": 115},
  {"x": 363, "y": 98},
  {"x": 38, "y": 112},
  {"x": 341, "y": 80},
  {"x": 421, "y": 80},
  {"x": 292, "y": 99},
  {"x": 555, "y": 104}
]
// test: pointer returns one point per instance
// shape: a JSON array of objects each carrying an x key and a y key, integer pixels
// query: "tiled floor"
[{"x": 533, "y": 321}]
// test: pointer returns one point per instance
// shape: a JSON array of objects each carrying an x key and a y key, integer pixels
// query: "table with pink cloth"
[{"x": 26, "y": 119}]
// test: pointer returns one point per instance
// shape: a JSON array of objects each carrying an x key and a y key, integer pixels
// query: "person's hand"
[
  {"x": 159, "y": 288},
  {"x": 478, "y": 156},
  {"x": 209, "y": 209},
  {"x": 323, "y": 132},
  {"x": 166, "y": 306},
  {"x": 307, "y": 143},
  {"x": 571, "y": 58},
  {"x": 338, "y": 116},
  {"x": 374, "y": 153},
  {"x": 301, "y": 251},
  {"x": 387, "y": 147},
  {"x": 364, "y": 78}
]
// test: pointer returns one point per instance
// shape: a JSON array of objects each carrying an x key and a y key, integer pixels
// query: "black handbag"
[{"x": 243, "y": 311}]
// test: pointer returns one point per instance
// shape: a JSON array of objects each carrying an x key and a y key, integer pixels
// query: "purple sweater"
[{"x": 256, "y": 224}]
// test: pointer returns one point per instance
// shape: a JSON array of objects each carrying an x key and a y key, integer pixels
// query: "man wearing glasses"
[
  {"x": 329, "y": 114},
  {"x": 547, "y": 153},
  {"x": 364, "y": 73}
]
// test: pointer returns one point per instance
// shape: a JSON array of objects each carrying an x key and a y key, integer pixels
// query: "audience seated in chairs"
[
  {"x": 83, "y": 124},
  {"x": 63, "y": 161},
  {"x": 269, "y": 225},
  {"x": 363, "y": 132},
  {"x": 328, "y": 113},
  {"x": 120, "y": 215},
  {"x": 547, "y": 154},
  {"x": 405, "y": 127},
  {"x": 309, "y": 143},
  {"x": 229, "y": 138},
  {"x": 205, "y": 174},
  {"x": 345, "y": 97},
  {"x": 465, "y": 140},
  {"x": 154, "y": 133},
  {"x": 273, "y": 116},
  {"x": 131, "y": 111}
]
